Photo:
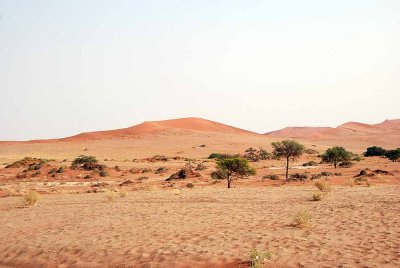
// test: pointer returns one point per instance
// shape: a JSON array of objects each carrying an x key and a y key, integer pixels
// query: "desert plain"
[{"x": 132, "y": 216}]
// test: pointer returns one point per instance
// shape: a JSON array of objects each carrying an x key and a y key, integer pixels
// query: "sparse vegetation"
[
  {"x": 310, "y": 163},
  {"x": 255, "y": 155},
  {"x": 336, "y": 155},
  {"x": 258, "y": 258},
  {"x": 161, "y": 170},
  {"x": 393, "y": 155},
  {"x": 110, "y": 196},
  {"x": 30, "y": 199},
  {"x": 272, "y": 177},
  {"x": 288, "y": 149},
  {"x": 221, "y": 156},
  {"x": 123, "y": 193},
  {"x": 346, "y": 164},
  {"x": 298, "y": 177},
  {"x": 190, "y": 185},
  {"x": 302, "y": 219},
  {"x": 323, "y": 186},
  {"x": 317, "y": 197},
  {"x": 231, "y": 168},
  {"x": 103, "y": 173}
]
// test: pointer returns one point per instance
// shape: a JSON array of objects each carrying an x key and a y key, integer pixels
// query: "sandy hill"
[
  {"x": 350, "y": 134},
  {"x": 153, "y": 127}
]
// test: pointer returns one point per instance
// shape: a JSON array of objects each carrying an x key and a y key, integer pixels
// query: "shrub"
[
  {"x": 356, "y": 158},
  {"x": 30, "y": 199},
  {"x": 217, "y": 175},
  {"x": 374, "y": 151},
  {"x": 103, "y": 173},
  {"x": 317, "y": 197},
  {"x": 190, "y": 185},
  {"x": 252, "y": 154},
  {"x": 298, "y": 177},
  {"x": 161, "y": 170},
  {"x": 271, "y": 177},
  {"x": 346, "y": 164},
  {"x": 302, "y": 219},
  {"x": 323, "y": 186},
  {"x": 326, "y": 173},
  {"x": 86, "y": 163},
  {"x": 311, "y": 151},
  {"x": 393, "y": 155},
  {"x": 258, "y": 258},
  {"x": 61, "y": 170},
  {"x": 221, "y": 156},
  {"x": 310, "y": 163},
  {"x": 141, "y": 178}
]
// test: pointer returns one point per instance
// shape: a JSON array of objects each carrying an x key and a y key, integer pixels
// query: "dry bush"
[
  {"x": 317, "y": 197},
  {"x": 123, "y": 192},
  {"x": 323, "y": 186},
  {"x": 302, "y": 219},
  {"x": 110, "y": 195},
  {"x": 30, "y": 199},
  {"x": 258, "y": 258},
  {"x": 176, "y": 191}
]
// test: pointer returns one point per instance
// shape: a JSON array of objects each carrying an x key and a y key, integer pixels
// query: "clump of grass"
[
  {"x": 190, "y": 185},
  {"x": 302, "y": 219},
  {"x": 103, "y": 173},
  {"x": 351, "y": 182},
  {"x": 258, "y": 258},
  {"x": 317, "y": 197},
  {"x": 110, "y": 195},
  {"x": 176, "y": 192},
  {"x": 123, "y": 192},
  {"x": 30, "y": 199},
  {"x": 323, "y": 186}
]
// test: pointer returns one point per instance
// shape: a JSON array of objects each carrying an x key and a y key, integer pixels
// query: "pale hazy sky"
[{"x": 73, "y": 66}]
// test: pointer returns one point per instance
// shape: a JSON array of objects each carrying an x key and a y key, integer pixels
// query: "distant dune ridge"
[
  {"x": 351, "y": 131},
  {"x": 151, "y": 127},
  {"x": 349, "y": 128}
]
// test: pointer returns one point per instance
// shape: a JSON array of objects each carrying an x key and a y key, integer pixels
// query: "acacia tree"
[
  {"x": 335, "y": 155},
  {"x": 236, "y": 167},
  {"x": 288, "y": 149}
]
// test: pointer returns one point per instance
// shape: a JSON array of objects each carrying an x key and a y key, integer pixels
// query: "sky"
[{"x": 74, "y": 66}]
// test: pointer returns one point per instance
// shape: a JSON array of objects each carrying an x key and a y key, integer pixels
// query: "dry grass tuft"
[
  {"x": 30, "y": 199},
  {"x": 123, "y": 192},
  {"x": 323, "y": 186},
  {"x": 351, "y": 182},
  {"x": 110, "y": 195},
  {"x": 258, "y": 258},
  {"x": 317, "y": 197},
  {"x": 302, "y": 219},
  {"x": 177, "y": 191}
]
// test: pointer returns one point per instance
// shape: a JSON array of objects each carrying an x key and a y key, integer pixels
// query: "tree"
[
  {"x": 374, "y": 151},
  {"x": 236, "y": 167},
  {"x": 393, "y": 155},
  {"x": 288, "y": 149},
  {"x": 336, "y": 155}
]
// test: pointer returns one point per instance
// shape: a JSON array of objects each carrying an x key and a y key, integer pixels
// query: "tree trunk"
[
  {"x": 335, "y": 163},
  {"x": 287, "y": 168},
  {"x": 229, "y": 182}
]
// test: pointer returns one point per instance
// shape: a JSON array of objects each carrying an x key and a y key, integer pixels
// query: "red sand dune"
[
  {"x": 150, "y": 127},
  {"x": 346, "y": 129}
]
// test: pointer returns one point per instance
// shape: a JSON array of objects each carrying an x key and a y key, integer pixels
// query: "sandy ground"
[{"x": 352, "y": 227}]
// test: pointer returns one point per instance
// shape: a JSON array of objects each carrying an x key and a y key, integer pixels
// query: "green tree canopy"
[
  {"x": 236, "y": 167},
  {"x": 374, "y": 151},
  {"x": 336, "y": 155},
  {"x": 288, "y": 149}
]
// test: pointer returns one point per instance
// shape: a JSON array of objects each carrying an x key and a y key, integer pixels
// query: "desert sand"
[{"x": 166, "y": 224}]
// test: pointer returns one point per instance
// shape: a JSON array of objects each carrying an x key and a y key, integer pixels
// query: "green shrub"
[
  {"x": 298, "y": 177},
  {"x": 221, "y": 156},
  {"x": 374, "y": 151},
  {"x": 310, "y": 163},
  {"x": 346, "y": 164}
]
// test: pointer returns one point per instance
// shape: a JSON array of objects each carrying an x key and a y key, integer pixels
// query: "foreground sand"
[{"x": 352, "y": 227}]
